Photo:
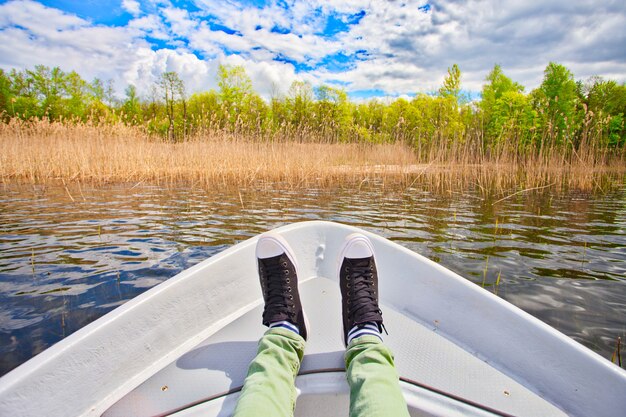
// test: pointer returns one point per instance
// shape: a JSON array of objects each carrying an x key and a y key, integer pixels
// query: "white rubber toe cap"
[
  {"x": 268, "y": 248},
  {"x": 357, "y": 246},
  {"x": 270, "y": 245}
]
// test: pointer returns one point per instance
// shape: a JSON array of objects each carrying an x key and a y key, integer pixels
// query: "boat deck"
[
  {"x": 183, "y": 347},
  {"x": 436, "y": 374}
]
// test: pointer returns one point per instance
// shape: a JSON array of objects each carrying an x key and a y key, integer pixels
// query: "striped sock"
[
  {"x": 365, "y": 329},
  {"x": 286, "y": 325}
]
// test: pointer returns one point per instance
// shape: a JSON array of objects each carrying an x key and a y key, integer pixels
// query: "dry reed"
[{"x": 42, "y": 151}]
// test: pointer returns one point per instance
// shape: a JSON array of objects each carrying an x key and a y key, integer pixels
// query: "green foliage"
[
  {"x": 513, "y": 119},
  {"x": 451, "y": 87},
  {"x": 47, "y": 85},
  {"x": 604, "y": 103},
  {"x": 606, "y": 97},
  {"x": 300, "y": 102},
  {"x": 396, "y": 118},
  {"x": 131, "y": 111},
  {"x": 242, "y": 109},
  {"x": 234, "y": 84},
  {"x": 561, "y": 113},
  {"x": 558, "y": 95},
  {"x": 51, "y": 93},
  {"x": 506, "y": 111},
  {"x": 78, "y": 91},
  {"x": 203, "y": 109},
  {"x": 497, "y": 85},
  {"x": 333, "y": 113},
  {"x": 7, "y": 99},
  {"x": 616, "y": 131}
]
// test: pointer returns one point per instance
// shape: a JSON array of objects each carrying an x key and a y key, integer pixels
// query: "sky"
[{"x": 370, "y": 48}]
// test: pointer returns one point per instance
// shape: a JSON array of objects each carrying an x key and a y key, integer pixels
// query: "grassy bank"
[{"x": 41, "y": 152}]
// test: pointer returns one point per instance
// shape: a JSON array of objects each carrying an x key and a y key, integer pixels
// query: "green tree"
[
  {"x": 513, "y": 119},
  {"x": 452, "y": 84},
  {"x": 279, "y": 113},
  {"x": 98, "y": 111},
  {"x": 501, "y": 101},
  {"x": 562, "y": 111},
  {"x": 7, "y": 99},
  {"x": 400, "y": 121},
  {"x": 131, "y": 107},
  {"x": 605, "y": 96},
  {"x": 48, "y": 86},
  {"x": 300, "y": 103},
  {"x": 369, "y": 121},
  {"x": 234, "y": 84},
  {"x": 77, "y": 96},
  {"x": 333, "y": 115},
  {"x": 235, "y": 93},
  {"x": 97, "y": 90},
  {"x": 497, "y": 85},
  {"x": 25, "y": 103},
  {"x": 447, "y": 114},
  {"x": 606, "y": 108},
  {"x": 203, "y": 109},
  {"x": 559, "y": 94}
]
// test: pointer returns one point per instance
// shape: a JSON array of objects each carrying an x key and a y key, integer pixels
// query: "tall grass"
[{"x": 42, "y": 151}]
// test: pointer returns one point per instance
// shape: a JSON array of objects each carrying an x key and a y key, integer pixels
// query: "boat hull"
[{"x": 457, "y": 346}]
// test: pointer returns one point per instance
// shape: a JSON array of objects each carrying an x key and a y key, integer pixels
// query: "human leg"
[
  {"x": 370, "y": 369},
  {"x": 269, "y": 386},
  {"x": 373, "y": 379}
]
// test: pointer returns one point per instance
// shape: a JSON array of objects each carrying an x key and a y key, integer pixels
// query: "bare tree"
[{"x": 173, "y": 90}]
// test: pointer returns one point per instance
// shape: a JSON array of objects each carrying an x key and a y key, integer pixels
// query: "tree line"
[{"x": 561, "y": 113}]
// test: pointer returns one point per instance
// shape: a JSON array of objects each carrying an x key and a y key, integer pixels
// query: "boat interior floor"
[{"x": 437, "y": 376}]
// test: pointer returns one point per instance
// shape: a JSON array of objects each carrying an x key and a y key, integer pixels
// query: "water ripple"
[{"x": 63, "y": 264}]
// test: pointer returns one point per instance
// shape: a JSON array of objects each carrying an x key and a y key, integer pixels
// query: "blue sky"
[{"x": 374, "y": 48}]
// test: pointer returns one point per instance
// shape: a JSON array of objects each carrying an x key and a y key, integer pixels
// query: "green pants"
[{"x": 269, "y": 388}]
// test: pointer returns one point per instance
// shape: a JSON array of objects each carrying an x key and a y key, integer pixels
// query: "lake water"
[{"x": 68, "y": 257}]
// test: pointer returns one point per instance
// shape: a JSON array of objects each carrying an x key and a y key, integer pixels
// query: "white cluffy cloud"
[
  {"x": 389, "y": 46},
  {"x": 132, "y": 6},
  {"x": 32, "y": 34}
]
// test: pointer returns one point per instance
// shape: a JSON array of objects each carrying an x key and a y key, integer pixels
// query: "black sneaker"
[
  {"x": 358, "y": 280},
  {"x": 279, "y": 282}
]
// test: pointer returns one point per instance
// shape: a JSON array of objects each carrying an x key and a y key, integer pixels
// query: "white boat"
[{"x": 183, "y": 347}]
